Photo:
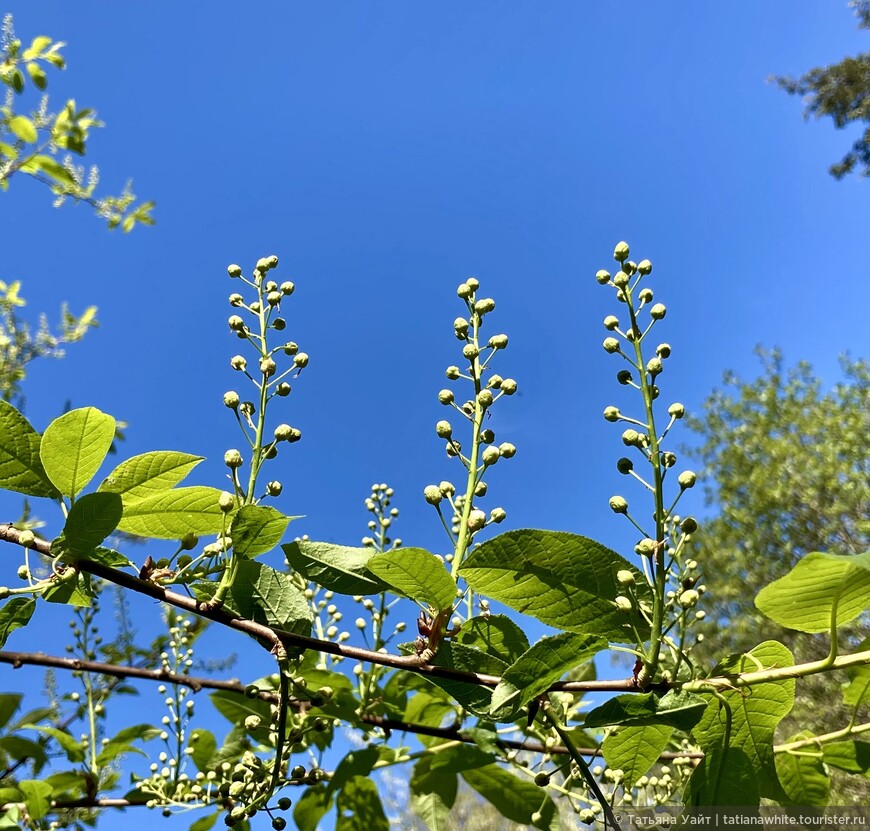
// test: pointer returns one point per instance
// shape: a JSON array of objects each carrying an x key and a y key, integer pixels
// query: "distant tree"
[
  {"x": 788, "y": 468},
  {"x": 842, "y": 91}
]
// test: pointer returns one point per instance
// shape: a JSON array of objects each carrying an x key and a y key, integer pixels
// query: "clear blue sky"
[{"x": 385, "y": 152}]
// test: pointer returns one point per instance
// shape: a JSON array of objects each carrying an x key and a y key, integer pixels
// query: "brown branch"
[
  {"x": 195, "y": 683},
  {"x": 410, "y": 662}
]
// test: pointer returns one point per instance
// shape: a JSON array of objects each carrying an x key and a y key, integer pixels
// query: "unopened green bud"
[
  {"x": 234, "y": 270},
  {"x": 252, "y": 691},
  {"x": 663, "y": 350},
  {"x": 226, "y": 501},
  {"x": 487, "y": 436},
  {"x": 460, "y": 327},
  {"x": 507, "y": 450},
  {"x": 490, "y": 455},
  {"x": 443, "y": 430},
  {"x": 189, "y": 541},
  {"x": 287, "y": 288},
  {"x": 689, "y": 598},
  {"x": 480, "y": 489},
  {"x": 464, "y": 291},
  {"x": 470, "y": 351},
  {"x": 542, "y": 779},
  {"x": 485, "y": 398},
  {"x": 625, "y": 577},
  {"x": 508, "y": 386},
  {"x": 446, "y": 488},
  {"x": 645, "y": 295},
  {"x": 494, "y": 382},
  {"x": 231, "y": 399},
  {"x": 620, "y": 252},
  {"x": 602, "y": 276},
  {"x": 611, "y": 413},
  {"x": 644, "y": 267},
  {"x": 239, "y": 363},
  {"x": 484, "y": 305},
  {"x": 498, "y": 342},
  {"x": 432, "y": 494},
  {"x": 453, "y": 448},
  {"x": 253, "y": 722},
  {"x": 476, "y": 520},
  {"x": 497, "y": 515},
  {"x": 611, "y": 322},
  {"x": 658, "y": 311},
  {"x": 687, "y": 479},
  {"x": 291, "y": 348},
  {"x": 611, "y": 345},
  {"x": 283, "y": 389},
  {"x": 262, "y": 265},
  {"x": 446, "y": 397},
  {"x": 630, "y": 438},
  {"x": 473, "y": 283},
  {"x": 27, "y": 538},
  {"x": 623, "y": 603},
  {"x": 236, "y": 323},
  {"x": 301, "y": 360},
  {"x": 255, "y": 307},
  {"x": 669, "y": 459},
  {"x": 654, "y": 366},
  {"x": 689, "y": 525},
  {"x": 273, "y": 298},
  {"x": 233, "y": 459},
  {"x": 274, "y": 488},
  {"x": 279, "y": 324},
  {"x": 283, "y": 432},
  {"x": 618, "y": 505},
  {"x": 453, "y": 372},
  {"x": 646, "y": 547},
  {"x": 236, "y": 300},
  {"x": 271, "y": 285},
  {"x": 620, "y": 279},
  {"x": 23, "y": 572},
  {"x": 268, "y": 367},
  {"x": 676, "y": 410},
  {"x": 625, "y": 466}
]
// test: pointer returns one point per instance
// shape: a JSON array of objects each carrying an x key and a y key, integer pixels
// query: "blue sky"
[{"x": 387, "y": 151}]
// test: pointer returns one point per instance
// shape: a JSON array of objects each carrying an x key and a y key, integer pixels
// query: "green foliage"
[
  {"x": 841, "y": 91},
  {"x": 468, "y": 670},
  {"x": 32, "y": 143}
]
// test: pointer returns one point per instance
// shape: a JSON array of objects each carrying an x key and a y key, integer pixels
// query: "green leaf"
[
  {"x": 23, "y": 128},
  {"x": 311, "y": 808},
  {"x": 20, "y": 748},
  {"x": 204, "y": 823},
  {"x": 14, "y": 614},
  {"x": 21, "y": 468},
  {"x": 49, "y": 166},
  {"x": 264, "y": 595},
  {"x": 10, "y": 817},
  {"x": 73, "y": 448},
  {"x": 675, "y": 709},
  {"x": 91, "y": 519},
  {"x": 37, "y": 796},
  {"x": 355, "y": 763},
  {"x": 74, "y": 592},
  {"x": 432, "y": 795},
  {"x": 170, "y": 514},
  {"x": 416, "y": 573},
  {"x": 359, "y": 807},
  {"x": 717, "y": 782},
  {"x": 562, "y": 579},
  {"x": 337, "y": 568},
  {"x": 495, "y": 635},
  {"x": 236, "y": 707},
  {"x": 9, "y": 704},
  {"x": 853, "y": 756},
  {"x": 37, "y": 75},
  {"x": 204, "y": 744},
  {"x": 804, "y": 599},
  {"x": 547, "y": 661},
  {"x": 754, "y": 717},
  {"x": 73, "y": 748},
  {"x": 122, "y": 742},
  {"x": 802, "y": 774},
  {"x": 428, "y": 710},
  {"x": 257, "y": 529},
  {"x": 514, "y": 798},
  {"x": 634, "y": 750},
  {"x": 149, "y": 473}
]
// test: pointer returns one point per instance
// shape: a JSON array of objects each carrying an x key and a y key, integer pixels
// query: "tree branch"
[{"x": 410, "y": 662}]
